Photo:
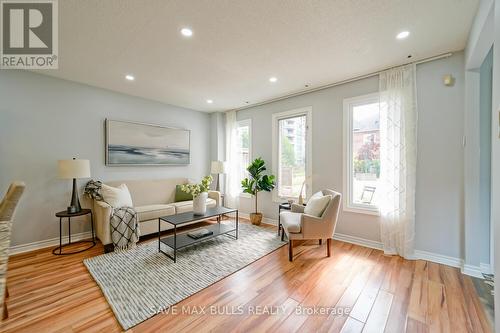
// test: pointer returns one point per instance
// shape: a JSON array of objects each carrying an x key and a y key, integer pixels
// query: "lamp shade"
[
  {"x": 218, "y": 167},
  {"x": 68, "y": 169}
]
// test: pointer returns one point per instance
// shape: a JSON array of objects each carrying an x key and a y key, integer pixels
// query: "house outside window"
[
  {"x": 362, "y": 154},
  {"x": 244, "y": 148},
  {"x": 292, "y": 153}
]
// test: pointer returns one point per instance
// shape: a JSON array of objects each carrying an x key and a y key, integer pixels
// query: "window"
[
  {"x": 362, "y": 153},
  {"x": 244, "y": 140},
  {"x": 292, "y": 153}
]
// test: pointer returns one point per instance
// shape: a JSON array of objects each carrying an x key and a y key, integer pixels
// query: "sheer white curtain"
[
  {"x": 232, "y": 176},
  {"x": 398, "y": 155}
]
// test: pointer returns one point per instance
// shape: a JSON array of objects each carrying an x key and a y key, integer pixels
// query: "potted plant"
[
  {"x": 200, "y": 194},
  {"x": 256, "y": 183}
]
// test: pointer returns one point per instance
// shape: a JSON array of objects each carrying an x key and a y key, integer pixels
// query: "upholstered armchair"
[
  {"x": 7, "y": 209},
  {"x": 300, "y": 226}
]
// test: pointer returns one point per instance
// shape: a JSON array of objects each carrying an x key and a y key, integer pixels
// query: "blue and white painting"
[{"x": 130, "y": 143}]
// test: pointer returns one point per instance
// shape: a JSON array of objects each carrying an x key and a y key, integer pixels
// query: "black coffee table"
[{"x": 178, "y": 241}]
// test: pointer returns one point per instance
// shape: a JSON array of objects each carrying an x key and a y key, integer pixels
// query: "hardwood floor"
[{"x": 56, "y": 294}]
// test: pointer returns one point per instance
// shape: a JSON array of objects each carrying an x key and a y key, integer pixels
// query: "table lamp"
[
  {"x": 218, "y": 167},
  {"x": 73, "y": 169}
]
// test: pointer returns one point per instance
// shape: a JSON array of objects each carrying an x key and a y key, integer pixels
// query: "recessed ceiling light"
[
  {"x": 403, "y": 35},
  {"x": 130, "y": 77},
  {"x": 273, "y": 79},
  {"x": 209, "y": 101},
  {"x": 186, "y": 32}
]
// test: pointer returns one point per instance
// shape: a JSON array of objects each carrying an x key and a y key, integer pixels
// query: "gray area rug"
[{"x": 141, "y": 282}]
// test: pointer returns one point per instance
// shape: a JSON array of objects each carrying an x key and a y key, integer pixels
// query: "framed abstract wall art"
[{"x": 130, "y": 143}]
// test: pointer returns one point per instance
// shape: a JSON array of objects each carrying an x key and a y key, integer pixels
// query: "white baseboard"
[
  {"x": 439, "y": 258},
  {"x": 472, "y": 270},
  {"x": 265, "y": 220},
  {"x": 358, "y": 241},
  {"x": 48, "y": 243},
  {"x": 486, "y": 268}
]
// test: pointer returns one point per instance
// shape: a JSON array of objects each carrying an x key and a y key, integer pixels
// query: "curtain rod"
[{"x": 302, "y": 92}]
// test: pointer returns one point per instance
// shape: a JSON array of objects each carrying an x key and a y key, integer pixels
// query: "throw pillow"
[
  {"x": 181, "y": 195},
  {"x": 316, "y": 206},
  {"x": 316, "y": 195},
  {"x": 116, "y": 197}
]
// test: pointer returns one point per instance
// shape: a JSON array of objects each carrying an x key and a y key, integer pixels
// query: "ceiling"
[{"x": 237, "y": 45}]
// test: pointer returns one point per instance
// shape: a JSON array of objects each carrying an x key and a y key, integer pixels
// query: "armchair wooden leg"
[
  {"x": 290, "y": 250},
  {"x": 328, "y": 247},
  {"x": 5, "y": 313}
]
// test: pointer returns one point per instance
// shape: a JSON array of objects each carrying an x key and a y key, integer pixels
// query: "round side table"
[{"x": 65, "y": 214}]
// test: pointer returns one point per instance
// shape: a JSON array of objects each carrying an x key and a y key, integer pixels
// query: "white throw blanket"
[{"x": 124, "y": 228}]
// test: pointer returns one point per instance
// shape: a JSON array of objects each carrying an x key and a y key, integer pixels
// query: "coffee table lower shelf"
[
  {"x": 180, "y": 240},
  {"x": 184, "y": 240}
]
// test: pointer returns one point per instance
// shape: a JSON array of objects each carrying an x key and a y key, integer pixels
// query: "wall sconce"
[{"x": 448, "y": 80}]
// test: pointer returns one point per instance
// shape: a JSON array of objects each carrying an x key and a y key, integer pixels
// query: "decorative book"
[{"x": 200, "y": 233}]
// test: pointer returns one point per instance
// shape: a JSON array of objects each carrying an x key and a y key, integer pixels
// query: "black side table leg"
[
  {"x": 237, "y": 220},
  {"x": 92, "y": 226},
  {"x": 279, "y": 221},
  {"x": 60, "y": 235},
  {"x": 69, "y": 230}
]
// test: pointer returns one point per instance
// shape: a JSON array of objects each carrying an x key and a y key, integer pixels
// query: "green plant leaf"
[{"x": 258, "y": 181}]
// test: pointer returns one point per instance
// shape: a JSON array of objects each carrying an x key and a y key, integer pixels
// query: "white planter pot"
[{"x": 200, "y": 204}]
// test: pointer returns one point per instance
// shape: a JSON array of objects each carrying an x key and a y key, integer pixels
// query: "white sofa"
[{"x": 152, "y": 199}]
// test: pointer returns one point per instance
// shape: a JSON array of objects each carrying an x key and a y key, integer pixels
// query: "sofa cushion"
[
  {"x": 180, "y": 195},
  {"x": 150, "y": 212},
  {"x": 187, "y": 206},
  {"x": 211, "y": 203},
  {"x": 316, "y": 195},
  {"x": 291, "y": 221},
  {"x": 316, "y": 206},
  {"x": 151, "y": 191},
  {"x": 116, "y": 197}
]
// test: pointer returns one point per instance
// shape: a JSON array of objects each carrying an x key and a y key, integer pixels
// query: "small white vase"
[{"x": 200, "y": 204}]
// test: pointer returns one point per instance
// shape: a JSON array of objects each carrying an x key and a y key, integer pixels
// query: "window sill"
[{"x": 362, "y": 210}]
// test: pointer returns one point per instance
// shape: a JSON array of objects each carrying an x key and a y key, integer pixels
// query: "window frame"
[
  {"x": 348, "y": 105},
  {"x": 276, "y": 117},
  {"x": 244, "y": 123}
]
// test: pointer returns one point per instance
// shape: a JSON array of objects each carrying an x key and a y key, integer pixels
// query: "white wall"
[
  {"x": 440, "y": 165},
  {"x": 477, "y": 154},
  {"x": 485, "y": 103},
  {"x": 495, "y": 159},
  {"x": 484, "y": 33},
  {"x": 439, "y": 198},
  {"x": 218, "y": 152},
  {"x": 43, "y": 119}
]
